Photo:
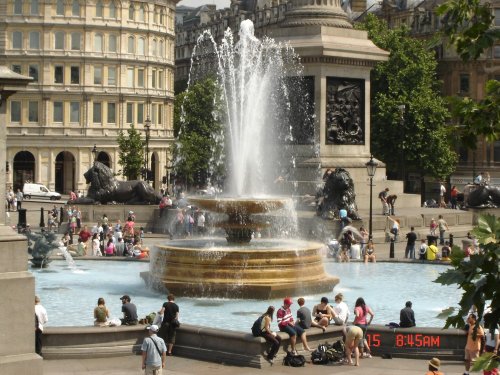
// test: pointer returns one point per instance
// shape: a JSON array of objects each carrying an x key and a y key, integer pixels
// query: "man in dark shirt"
[
  {"x": 407, "y": 316},
  {"x": 129, "y": 311},
  {"x": 170, "y": 312},
  {"x": 411, "y": 238}
]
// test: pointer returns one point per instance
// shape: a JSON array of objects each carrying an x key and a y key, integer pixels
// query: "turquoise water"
[{"x": 71, "y": 295}]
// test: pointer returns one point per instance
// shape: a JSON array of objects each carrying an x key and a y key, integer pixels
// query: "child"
[
  {"x": 433, "y": 227},
  {"x": 422, "y": 250}
]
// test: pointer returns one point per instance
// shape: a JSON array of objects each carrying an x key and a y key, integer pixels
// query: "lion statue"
[
  {"x": 338, "y": 193},
  {"x": 483, "y": 196},
  {"x": 105, "y": 188}
]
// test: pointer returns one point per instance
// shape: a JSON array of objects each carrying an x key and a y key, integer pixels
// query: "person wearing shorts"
[
  {"x": 287, "y": 325},
  {"x": 354, "y": 336}
]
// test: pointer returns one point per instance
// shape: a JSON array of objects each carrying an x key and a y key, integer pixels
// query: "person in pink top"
[
  {"x": 360, "y": 319},
  {"x": 110, "y": 248}
]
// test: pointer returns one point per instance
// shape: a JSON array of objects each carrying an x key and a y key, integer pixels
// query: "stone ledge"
[{"x": 242, "y": 349}]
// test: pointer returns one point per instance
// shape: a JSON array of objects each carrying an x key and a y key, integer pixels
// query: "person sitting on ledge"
[
  {"x": 129, "y": 312},
  {"x": 101, "y": 313},
  {"x": 407, "y": 316},
  {"x": 140, "y": 252},
  {"x": 370, "y": 253},
  {"x": 432, "y": 251},
  {"x": 323, "y": 312},
  {"x": 286, "y": 324},
  {"x": 446, "y": 251},
  {"x": 304, "y": 316}
]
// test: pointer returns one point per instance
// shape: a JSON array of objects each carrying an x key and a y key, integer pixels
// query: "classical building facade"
[{"x": 98, "y": 66}]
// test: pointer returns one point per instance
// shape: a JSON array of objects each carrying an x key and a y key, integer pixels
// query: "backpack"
[
  {"x": 294, "y": 360},
  {"x": 335, "y": 353},
  {"x": 319, "y": 357},
  {"x": 256, "y": 327}
]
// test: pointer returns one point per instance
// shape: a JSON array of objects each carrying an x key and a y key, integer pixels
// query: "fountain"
[{"x": 252, "y": 75}]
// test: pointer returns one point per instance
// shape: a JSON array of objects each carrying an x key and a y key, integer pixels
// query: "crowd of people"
[{"x": 13, "y": 200}]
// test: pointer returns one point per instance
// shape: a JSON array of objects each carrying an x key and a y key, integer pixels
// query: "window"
[
  {"x": 155, "y": 17},
  {"x": 75, "y": 41},
  {"x": 16, "y": 68},
  {"x": 18, "y": 7},
  {"x": 130, "y": 113},
  {"x": 74, "y": 112},
  {"x": 58, "y": 112},
  {"x": 97, "y": 75},
  {"x": 33, "y": 111},
  {"x": 130, "y": 77},
  {"x": 17, "y": 39},
  {"x": 131, "y": 12},
  {"x": 160, "y": 79},
  {"x": 154, "y": 113},
  {"x": 140, "y": 77},
  {"x": 15, "y": 111},
  {"x": 34, "y": 40},
  {"x": 33, "y": 72},
  {"x": 162, "y": 49},
  {"x": 141, "y": 13},
  {"x": 58, "y": 74},
  {"x": 97, "y": 113},
  {"x": 131, "y": 43},
  {"x": 464, "y": 83},
  {"x": 162, "y": 17},
  {"x": 34, "y": 11},
  {"x": 98, "y": 43},
  {"x": 75, "y": 8},
  {"x": 111, "y": 76},
  {"x": 160, "y": 115},
  {"x": 112, "y": 10},
  {"x": 99, "y": 9},
  {"x": 75, "y": 75},
  {"x": 60, "y": 7},
  {"x": 59, "y": 40},
  {"x": 112, "y": 45},
  {"x": 153, "y": 78},
  {"x": 155, "y": 47},
  {"x": 111, "y": 113},
  {"x": 140, "y": 113},
  {"x": 140, "y": 47}
]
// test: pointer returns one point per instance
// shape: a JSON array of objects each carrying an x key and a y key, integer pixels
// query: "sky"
[{"x": 196, "y": 3}]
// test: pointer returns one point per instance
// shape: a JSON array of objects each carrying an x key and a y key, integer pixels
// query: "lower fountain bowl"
[{"x": 262, "y": 269}]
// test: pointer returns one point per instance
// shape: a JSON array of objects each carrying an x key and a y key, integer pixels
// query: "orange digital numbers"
[
  {"x": 418, "y": 340},
  {"x": 373, "y": 339}
]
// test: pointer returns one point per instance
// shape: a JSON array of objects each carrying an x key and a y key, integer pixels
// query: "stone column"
[{"x": 17, "y": 284}]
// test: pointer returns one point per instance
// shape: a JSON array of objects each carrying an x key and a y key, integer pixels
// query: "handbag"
[{"x": 175, "y": 323}]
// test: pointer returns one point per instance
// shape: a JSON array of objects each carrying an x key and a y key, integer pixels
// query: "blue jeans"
[
  {"x": 410, "y": 251},
  {"x": 441, "y": 237}
]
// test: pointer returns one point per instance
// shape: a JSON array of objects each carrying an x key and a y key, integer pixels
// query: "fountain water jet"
[{"x": 252, "y": 75}]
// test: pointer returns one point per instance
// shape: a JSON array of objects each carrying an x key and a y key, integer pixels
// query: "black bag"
[
  {"x": 256, "y": 327},
  {"x": 294, "y": 360},
  {"x": 319, "y": 357},
  {"x": 175, "y": 323}
]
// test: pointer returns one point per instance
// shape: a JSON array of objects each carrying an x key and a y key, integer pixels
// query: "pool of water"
[{"x": 70, "y": 294}]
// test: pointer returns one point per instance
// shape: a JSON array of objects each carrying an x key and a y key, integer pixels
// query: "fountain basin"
[{"x": 263, "y": 269}]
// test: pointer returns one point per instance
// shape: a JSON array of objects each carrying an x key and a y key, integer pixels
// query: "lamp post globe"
[{"x": 371, "y": 168}]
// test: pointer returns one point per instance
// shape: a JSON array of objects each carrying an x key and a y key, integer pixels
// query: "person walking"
[
  {"x": 454, "y": 197},
  {"x": 473, "y": 345},
  {"x": 443, "y": 227},
  {"x": 41, "y": 318},
  {"x": 411, "y": 238},
  {"x": 170, "y": 322},
  {"x": 383, "y": 199},
  {"x": 153, "y": 352},
  {"x": 442, "y": 193},
  {"x": 19, "y": 198}
]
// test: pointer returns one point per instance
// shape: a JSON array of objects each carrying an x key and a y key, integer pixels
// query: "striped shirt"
[{"x": 284, "y": 317}]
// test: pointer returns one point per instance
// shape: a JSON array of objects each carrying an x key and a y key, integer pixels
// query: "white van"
[{"x": 39, "y": 191}]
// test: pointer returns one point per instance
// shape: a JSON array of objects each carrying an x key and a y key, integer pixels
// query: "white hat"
[{"x": 153, "y": 328}]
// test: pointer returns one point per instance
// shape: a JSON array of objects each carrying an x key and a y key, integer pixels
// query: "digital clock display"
[{"x": 403, "y": 340}]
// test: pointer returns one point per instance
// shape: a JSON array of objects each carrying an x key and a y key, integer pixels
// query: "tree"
[
  {"x": 415, "y": 136},
  {"x": 479, "y": 278},
  {"x": 131, "y": 152},
  {"x": 198, "y": 150},
  {"x": 467, "y": 23}
]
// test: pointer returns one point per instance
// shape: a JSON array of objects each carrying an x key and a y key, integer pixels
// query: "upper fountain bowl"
[{"x": 235, "y": 206}]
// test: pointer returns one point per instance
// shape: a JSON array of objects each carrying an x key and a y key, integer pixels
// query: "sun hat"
[{"x": 435, "y": 362}]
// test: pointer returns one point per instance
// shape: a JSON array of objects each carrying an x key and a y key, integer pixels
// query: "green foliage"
[
  {"x": 131, "y": 152},
  {"x": 468, "y": 25},
  {"x": 478, "y": 277},
  {"x": 198, "y": 150},
  {"x": 417, "y": 134},
  {"x": 475, "y": 119}
]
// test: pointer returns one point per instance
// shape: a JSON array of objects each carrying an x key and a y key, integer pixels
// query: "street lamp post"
[
  {"x": 147, "y": 129},
  {"x": 402, "y": 109},
  {"x": 94, "y": 152},
  {"x": 371, "y": 168}
]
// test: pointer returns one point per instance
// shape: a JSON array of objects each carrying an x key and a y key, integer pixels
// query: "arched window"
[
  {"x": 141, "y": 47},
  {"x": 131, "y": 12},
  {"x": 162, "y": 49},
  {"x": 131, "y": 44},
  {"x": 75, "y": 8},
  {"x": 112, "y": 10},
  {"x": 60, "y": 7},
  {"x": 98, "y": 43},
  {"x": 142, "y": 13},
  {"x": 99, "y": 9}
]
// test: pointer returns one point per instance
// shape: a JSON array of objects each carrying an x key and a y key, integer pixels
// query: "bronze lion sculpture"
[
  {"x": 338, "y": 193},
  {"x": 105, "y": 188}
]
